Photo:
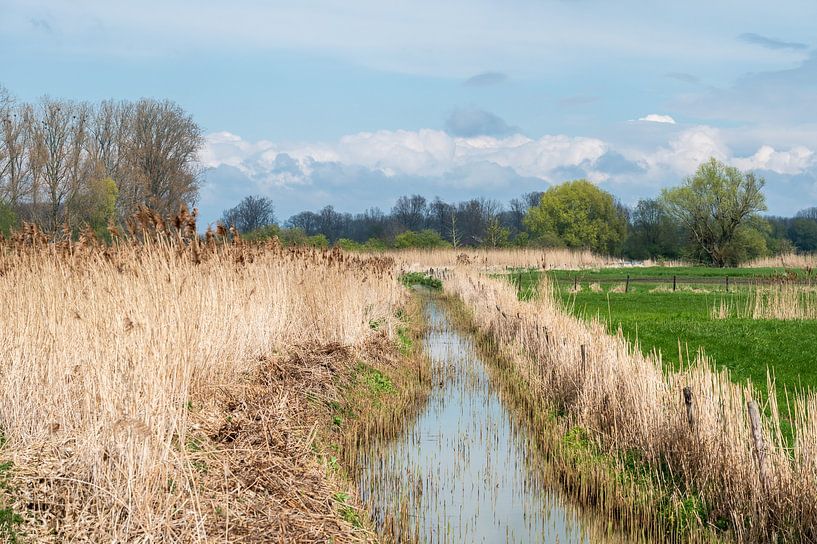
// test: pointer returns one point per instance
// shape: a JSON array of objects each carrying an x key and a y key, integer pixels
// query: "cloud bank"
[{"x": 373, "y": 168}]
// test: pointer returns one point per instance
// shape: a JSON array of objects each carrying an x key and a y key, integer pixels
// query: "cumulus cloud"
[
  {"x": 657, "y": 118},
  {"x": 424, "y": 152},
  {"x": 793, "y": 161},
  {"x": 687, "y": 150},
  {"x": 474, "y": 122},
  {"x": 770, "y": 43},
  {"x": 370, "y": 168}
]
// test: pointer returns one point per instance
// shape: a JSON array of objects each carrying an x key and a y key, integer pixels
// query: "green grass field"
[{"x": 660, "y": 320}]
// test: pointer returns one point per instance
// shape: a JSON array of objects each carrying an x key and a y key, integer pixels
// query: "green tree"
[
  {"x": 496, "y": 235},
  {"x": 425, "y": 239},
  {"x": 8, "y": 219},
  {"x": 653, "y": 232},
  {"x": 578, "y": 214},
  {"x": 262, "y": 234},
  {"x": 347, "y": 244},
  {"x": 716, "y": 207},
  {"x": 375, "y": 244},
  {"x": 101, "y": 201},
  {"x": 803, "y": 232}
]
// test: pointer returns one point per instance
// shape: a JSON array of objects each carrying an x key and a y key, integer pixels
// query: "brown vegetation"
[
  {"x": 782, "y": 300},
  {"x": 172, "y": 389},
  {"x": 747, "y": 477},
  {"x": 542, "y": 258}
]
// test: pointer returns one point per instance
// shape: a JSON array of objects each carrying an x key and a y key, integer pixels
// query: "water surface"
[{"x": 461, "y": 472}]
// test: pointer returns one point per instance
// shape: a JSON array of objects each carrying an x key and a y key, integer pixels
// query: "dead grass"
[
  {"x": 789, "y": 260},
  {"x": 169, "y": 388},
  {"x": 493, "y": 259},
  {"x": 779, "y": 301},
  {"x": 629, "y": 404}
]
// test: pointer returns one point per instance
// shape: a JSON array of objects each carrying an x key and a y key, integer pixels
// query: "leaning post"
[{"x": 757, "y": 437}]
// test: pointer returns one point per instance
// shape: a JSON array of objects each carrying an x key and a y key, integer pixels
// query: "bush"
[{"x": 418, "y": 278}]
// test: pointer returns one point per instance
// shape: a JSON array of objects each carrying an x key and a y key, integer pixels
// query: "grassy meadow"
[{"x": 679, "y": 323}]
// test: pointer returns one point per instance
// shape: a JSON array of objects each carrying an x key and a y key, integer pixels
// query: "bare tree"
[
  {"x": 58, "y": 155},
  {"x": 455, "y": 236},
  {"x": 252, "y": 213},
  {"x": 14, "y": 145},
  {"x": 161, "y": 157},
  {"x": 808, "y": 213},
  {"x": 109, "y": 136},
  {"x": 410, "y": 212}
]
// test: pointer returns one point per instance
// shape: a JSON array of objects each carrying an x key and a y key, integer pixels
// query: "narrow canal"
[{"x": 461, "y": 472}]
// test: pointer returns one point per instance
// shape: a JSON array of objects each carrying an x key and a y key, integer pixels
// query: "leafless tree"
[
  {"x": 161, "y": 157},
  {"x": 253, "y": 212},
  {"x": 14, "y": 145},
  {"x": 59, "y": 154},
  {"x": 410, "y": 212},
  {"x": 109, "y": 136}
]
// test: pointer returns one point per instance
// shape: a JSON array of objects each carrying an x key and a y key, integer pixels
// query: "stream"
[{"x": 460, "y": 472}]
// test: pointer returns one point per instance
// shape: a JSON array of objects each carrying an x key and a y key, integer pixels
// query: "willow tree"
[
  {"x": 716, "y": 206},
  {"x": 578, "y": 214}
]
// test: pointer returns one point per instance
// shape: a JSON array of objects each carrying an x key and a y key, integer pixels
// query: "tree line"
[
  {"x": 66, "y": 163},
  {"x": 713, "y": 217}
]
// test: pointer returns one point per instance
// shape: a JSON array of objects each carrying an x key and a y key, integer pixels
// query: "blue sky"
[{"x": 354, "y": 103}]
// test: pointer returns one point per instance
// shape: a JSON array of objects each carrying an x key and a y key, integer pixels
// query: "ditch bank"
[
  {"x": 470, "y": 466},
  {"x": 708, "y": 454}
]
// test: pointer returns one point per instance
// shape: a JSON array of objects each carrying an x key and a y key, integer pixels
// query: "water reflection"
[{"x": 460, "y": 473}]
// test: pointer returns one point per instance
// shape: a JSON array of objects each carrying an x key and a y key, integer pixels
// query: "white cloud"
[
  {"x": 794, "y": 161},
  {"x": 370, "y": 168},
  {"x": 687, "y": 150},
  {"x": 657, "y": 118},
  {"x": 425, "y": 152}
]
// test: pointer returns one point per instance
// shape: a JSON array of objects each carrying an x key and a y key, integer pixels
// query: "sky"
[{"x": 355, "y": 103}]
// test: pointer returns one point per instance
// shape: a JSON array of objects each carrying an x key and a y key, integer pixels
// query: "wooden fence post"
[
  {"x": 627, "y": 285},
  {"x": 575, "y": 282},
  {"x": 584, "y": 358},
  {"x": 674, "y": 281},
  {"x": 727, "y": 284},
  {"x": 757, "y": 437},
  {"x": 688, "y": 404}
]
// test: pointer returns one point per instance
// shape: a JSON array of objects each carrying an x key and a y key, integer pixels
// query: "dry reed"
[
  {"x": 765, "y": 487},
  {"x": 544, "y": 259},
  {"x": 116, "y": 359},
  {"x": 788, "y": 260},
  {"x": 780, "y": 301}
]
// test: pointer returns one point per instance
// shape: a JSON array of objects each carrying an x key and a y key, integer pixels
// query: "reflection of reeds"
[
  {"x": 762, "y": 486},
  {"x": 779, "y": 301}
]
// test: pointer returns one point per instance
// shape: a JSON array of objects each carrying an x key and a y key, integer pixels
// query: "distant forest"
[
  {"x": 68, "y": 166},
  {"x": 646, "y": 230}
]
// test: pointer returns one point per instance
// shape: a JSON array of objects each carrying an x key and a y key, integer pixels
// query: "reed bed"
[
  {"x": 493, "y": 259},
  {"x": 779, "y": 301},
  {"x": 749, "y": 477},
  {"x": 788, "y": 260},
  {"x": 128, "y": 370}
]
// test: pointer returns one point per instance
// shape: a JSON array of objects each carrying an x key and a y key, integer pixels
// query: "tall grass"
[
  {"x": 778, "y": 301},
  {"x": 105, "y": 349},
  {"x": 545, "y": 259},
  {"x": 788, "y": 260},
  {"x": 629, "y": 404}
]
